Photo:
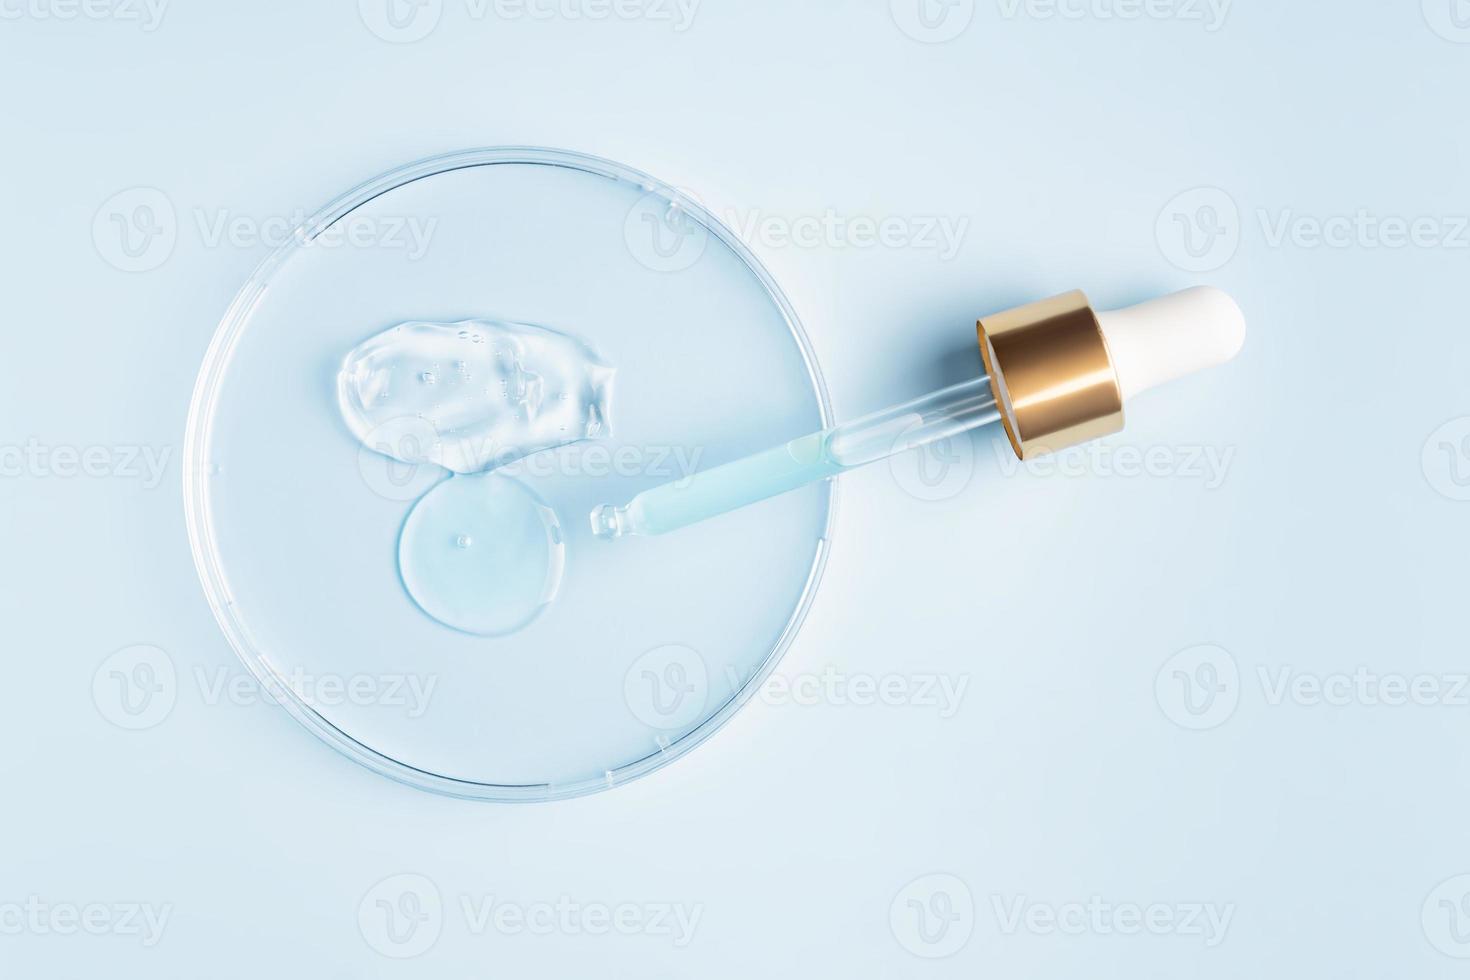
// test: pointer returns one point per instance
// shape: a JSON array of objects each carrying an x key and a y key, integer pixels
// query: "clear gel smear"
[
  {"x": 480, "y": 552},
  {"x": 472, "y": 395}
]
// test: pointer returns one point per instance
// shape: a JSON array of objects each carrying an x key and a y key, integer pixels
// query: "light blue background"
[{"x": 1333, "y": 541}]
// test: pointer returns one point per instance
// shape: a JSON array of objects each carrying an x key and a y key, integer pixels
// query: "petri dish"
[{"x": 635, "y": 650}]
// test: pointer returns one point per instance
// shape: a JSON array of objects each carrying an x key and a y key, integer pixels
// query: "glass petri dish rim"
[{"x": 197, "y": 444}]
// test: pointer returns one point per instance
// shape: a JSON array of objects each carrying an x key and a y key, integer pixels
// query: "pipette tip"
[{"x": 608, "y": 521}]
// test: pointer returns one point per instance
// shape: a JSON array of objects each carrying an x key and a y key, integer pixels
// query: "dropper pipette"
[{"x": 1058, "y": 375}]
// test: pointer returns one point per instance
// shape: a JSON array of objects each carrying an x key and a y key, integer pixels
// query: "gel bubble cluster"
[{"x": 474, "y": 394}]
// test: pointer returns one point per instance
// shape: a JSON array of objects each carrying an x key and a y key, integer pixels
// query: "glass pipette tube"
[{"x": 818, "y": 456}]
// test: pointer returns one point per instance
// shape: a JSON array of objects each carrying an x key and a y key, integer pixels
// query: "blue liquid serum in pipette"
[{"x": 1058, "y": 373}]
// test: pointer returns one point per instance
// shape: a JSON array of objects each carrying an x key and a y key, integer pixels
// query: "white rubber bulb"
[{"x": 1174, "y": 335}]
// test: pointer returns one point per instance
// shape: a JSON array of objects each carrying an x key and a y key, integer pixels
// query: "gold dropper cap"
[{"x": 1051, "y": 374}]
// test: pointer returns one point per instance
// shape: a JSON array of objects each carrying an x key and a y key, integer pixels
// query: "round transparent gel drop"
[{"x": 482, "y": 554}]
